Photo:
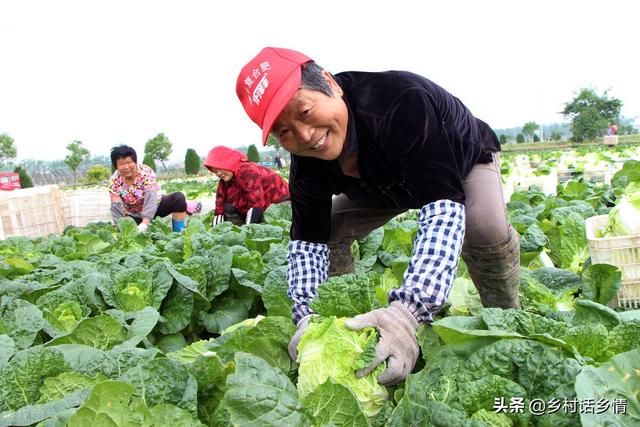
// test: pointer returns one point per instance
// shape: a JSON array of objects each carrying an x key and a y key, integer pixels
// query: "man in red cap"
[
  {"x": 246, "y": 189},
  {"x": 383, "y": 143}
]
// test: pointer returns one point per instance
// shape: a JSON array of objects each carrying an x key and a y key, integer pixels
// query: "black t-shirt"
[{"x": 416, "y": 144}]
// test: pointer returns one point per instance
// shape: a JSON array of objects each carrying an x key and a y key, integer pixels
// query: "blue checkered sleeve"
[
  {"x": 434, "y": 263},
  {"x": 308, "y": 266}
]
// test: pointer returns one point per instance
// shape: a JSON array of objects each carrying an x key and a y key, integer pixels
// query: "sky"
[{"x": 122, "y": 71}]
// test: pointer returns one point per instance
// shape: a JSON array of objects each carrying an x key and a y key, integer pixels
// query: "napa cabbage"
[
  {"x": 329, "y": 352},
  {"x": 464, "y": 298},
  {"x": 134, "y": 296},
  {"x": 133, "y": 289},
  {"x": 66, "y": 315},
  {"x": 624, "y": 218}
]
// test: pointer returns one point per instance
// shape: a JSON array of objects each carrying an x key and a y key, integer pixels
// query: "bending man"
[{"x": 383, "y": 143}]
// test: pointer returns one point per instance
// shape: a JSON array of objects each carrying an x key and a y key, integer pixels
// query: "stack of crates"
[
  {"x": 31, "y": 212},
  {"x": 622, "y": 252}
]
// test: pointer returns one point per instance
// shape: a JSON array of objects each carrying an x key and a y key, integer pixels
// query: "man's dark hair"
[
  {"x": 122, "y": 152},
  {"x": 313, "y": 79}
]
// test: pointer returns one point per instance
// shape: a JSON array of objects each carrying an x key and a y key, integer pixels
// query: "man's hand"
[
  {"x": 142, "y": 227},
  {"x": 295, "y": 339},
  {"x": 397, "y": 328},
  {"x": 217, "y": 220}
]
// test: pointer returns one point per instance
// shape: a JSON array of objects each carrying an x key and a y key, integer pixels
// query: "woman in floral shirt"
[
  {"x": 245, "y": 189},
  {"x": 135, "y": 193}
]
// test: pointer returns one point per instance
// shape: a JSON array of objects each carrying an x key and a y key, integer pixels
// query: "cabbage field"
[{"x": 110, "y": 327}]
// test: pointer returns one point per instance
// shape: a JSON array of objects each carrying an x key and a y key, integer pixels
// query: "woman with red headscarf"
[{"x": 245, "y": 189}]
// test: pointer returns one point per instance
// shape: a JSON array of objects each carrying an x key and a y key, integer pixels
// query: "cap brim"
[{"x": 280, "y": 99}]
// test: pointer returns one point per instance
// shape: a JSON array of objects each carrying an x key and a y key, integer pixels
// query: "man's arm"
[
  {"x": 308, "y": 267},
  {"x": 434, "y": 263},
  {"x": 427, "y": 282}
]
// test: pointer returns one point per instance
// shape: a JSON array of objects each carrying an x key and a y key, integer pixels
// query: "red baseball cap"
[{"x": 266, "y": 84}]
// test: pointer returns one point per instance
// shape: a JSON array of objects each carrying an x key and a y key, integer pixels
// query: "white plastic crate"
[
  {"x": 564, "y": 175},
  {"x": 522, "y": 161},
  {"x": 599, "y": 175},
  {"x": 617, "y": 165},
  {"x": 546, "y": 183},
  {"x": 621, "y": 251},
  {"x": 602, "y": 176},
  {"x": 81, "y": 207},
  {"x": 507, "y": 191},
  {"x": 610, "y": 140}
]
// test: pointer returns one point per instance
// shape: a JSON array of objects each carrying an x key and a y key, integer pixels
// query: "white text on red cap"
[{"x": 258, "y": 91}]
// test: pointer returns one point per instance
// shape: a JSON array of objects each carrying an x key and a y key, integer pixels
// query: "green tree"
[
  {"x": 503, "y": 138},
  {"x": 77, "y": 154},
  {"x": 591, "y": 114},
  {"x": 556, "y": 135},
  {"x": 536, "y": 138},
  {"x": 252, "y": 153},
  {"x": 520, "y": 138},
  {"x": 98, "y": 174},
  {"x": 272, "y": 141},
  {"x": 529, "y": 130},
  {"x": 148, "y": 160},
  {"x": 159, "y": 148},
  {"x": 191, "y": 162},
  {"x": 7, "y": 148},
  {"x": 25, "y": 179}
]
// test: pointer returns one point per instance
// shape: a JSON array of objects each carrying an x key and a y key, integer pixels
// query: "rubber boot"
[
  {"x": 340, "y": 257},
  {"x": 177, "y": 225},
  {"x": 495, "y": 271}
]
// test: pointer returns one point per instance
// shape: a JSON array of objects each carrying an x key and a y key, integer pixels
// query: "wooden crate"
[
  {"x": 31, "y": 212},
  {"x": 81, "y": 207}
]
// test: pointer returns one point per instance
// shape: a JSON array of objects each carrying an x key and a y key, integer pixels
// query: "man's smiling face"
[{"x": 313, "y": 124}]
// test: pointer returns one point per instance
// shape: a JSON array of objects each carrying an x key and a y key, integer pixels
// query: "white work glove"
[
  {"x": 397, "y": 328},
  {"x": 142, "y": 227},
  {"x": 217, "y": 220},
  {"x": 295, "y": 339}
]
